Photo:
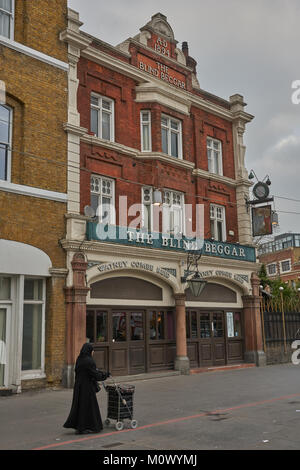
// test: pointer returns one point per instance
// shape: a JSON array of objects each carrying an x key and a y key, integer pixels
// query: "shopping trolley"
[{"x": 120, "y": 404}]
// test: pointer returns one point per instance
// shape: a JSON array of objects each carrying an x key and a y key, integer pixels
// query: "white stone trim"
[
  {"x": 18, "y": 47},
  {"x": 32, "y": 191}
]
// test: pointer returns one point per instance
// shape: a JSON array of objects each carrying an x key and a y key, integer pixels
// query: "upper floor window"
[
  {"x": 146, "y": 131},
  {"x": 102, "y": 117},
  {"x": 5, "y": 141},
  {"x": 272, "y": 269},
  {"x": 173, "y": 212},
  {"x": 214, "y": 156},
  {"x": 217, "y": 223},
  {"x": 171, "y": 136},
  {"x": 103, "y": 198},
  {"x": 285, "y": 265},
  {"x": 6, "y": 18}
]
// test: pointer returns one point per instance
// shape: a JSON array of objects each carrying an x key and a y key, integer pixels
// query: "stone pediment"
[{"x": 160, "y": 26}]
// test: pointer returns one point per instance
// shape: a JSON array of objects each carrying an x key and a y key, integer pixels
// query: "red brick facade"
[{"x": 195, "y": 129}]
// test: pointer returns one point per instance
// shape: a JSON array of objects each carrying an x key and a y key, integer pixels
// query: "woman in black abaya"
[{"x": 85, "y": 414}]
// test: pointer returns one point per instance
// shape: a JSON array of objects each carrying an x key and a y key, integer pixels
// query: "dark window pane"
[
  {"x": 164, "y": 140},
  {"x": 174, "y": 144},
  {"x": 94, "y": 121},
  {"x": 101, "y": 327},
  {"x": 119, "y": 326},
  {"x": 205, "y": 331},
  {"x": 32, "y": 337},
  {"x": 90, "y": 327},
  {"x": 194, "y": 324},
  {"x": 153, "y": 325},
  {"x": 136, "y": 326},
  {"x": 160, "y": 325}
]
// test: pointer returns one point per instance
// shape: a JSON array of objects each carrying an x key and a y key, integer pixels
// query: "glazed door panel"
[
  {"x": 118, "y": 329},
  {"x": 218, "y": 335},
  {"x": 137, "y": 348}
]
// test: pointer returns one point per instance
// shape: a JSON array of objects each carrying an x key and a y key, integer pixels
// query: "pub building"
[{"x": 142, "y": 130}]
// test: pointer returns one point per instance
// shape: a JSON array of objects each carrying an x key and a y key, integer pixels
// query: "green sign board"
[{"x": 131, "y": 237}]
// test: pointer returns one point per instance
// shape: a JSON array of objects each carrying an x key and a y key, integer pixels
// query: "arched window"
[{"x": 5, "y": 141}]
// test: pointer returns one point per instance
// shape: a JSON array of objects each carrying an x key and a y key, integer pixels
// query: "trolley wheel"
[
  {"x": 133, "y": 424},
  {"x": 107, "y": 421},
  {"x": 119, "y": 425}
]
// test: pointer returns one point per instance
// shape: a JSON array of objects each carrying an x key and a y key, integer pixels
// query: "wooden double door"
[
  {"x": 214, "y": 338},
  {"x": 132, "y": 341}
]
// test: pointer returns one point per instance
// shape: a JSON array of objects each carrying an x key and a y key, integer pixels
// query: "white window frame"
[
  {"x": 149, "y": 204},
  {"x": 12, "y": 20},
  {"x": 146, "y": 124},
  {"x": 215, "y": 220},
  {"x": 170, "y": 130},
  {"x": 288, "y": 270},
  {"x": 100, "y": 110},
  {"x": 35, "y": 373},
  {"x": 169, "y": 208},
  {"x": 100, "y": 195},
  {"x": 272, "y": 264},
  {"x": 211, "y": 161},
  {"x": 9, "y": 143}
]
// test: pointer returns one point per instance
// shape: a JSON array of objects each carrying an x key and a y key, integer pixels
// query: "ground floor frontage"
[{"x": 132, "y": 305}]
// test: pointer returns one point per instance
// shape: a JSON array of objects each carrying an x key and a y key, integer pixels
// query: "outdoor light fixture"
[
  {"x": 195, "y": 283},
  {"x": 251, "y": 175},
  {"x": 157, "y": 197}
]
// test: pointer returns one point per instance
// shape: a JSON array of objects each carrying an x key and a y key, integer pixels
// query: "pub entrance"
[
  {"x": 132, "y": 340},
  {"x": 214, "y": 338}
]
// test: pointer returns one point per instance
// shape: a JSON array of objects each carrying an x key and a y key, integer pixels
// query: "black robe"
[{"x": 85, "y": 413}]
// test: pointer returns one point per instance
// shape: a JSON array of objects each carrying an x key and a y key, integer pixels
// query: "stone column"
[
  {"x": 76, "y": 316},
  {"x": 182, "y": 362},
  {"x": 253, "y": 328},
  {"x": 240, "y": 118}
]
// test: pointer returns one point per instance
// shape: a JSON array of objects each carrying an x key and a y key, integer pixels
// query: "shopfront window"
[{"x": 33, "y": 319}]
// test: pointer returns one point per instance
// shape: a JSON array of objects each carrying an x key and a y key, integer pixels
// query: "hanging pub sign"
[{"x": 261, "y": 221}]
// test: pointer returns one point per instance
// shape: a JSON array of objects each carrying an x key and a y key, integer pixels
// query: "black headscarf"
[{"x": 86, "y": 350}]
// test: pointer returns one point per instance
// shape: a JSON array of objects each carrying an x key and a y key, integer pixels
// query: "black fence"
[{"x": 280, "y": 327}]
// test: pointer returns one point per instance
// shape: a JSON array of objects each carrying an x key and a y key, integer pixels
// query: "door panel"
[{"x": 137, "y": 349}]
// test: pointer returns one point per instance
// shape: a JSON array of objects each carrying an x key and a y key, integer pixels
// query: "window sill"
[{"x": 32, "y": 375}]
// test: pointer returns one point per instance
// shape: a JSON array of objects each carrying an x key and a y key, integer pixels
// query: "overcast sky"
[{"x": 249, "y": 47}]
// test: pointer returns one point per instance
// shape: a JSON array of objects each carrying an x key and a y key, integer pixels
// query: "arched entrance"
[
  {"x": 131, "y": 321},
  {"x": 215, "y": 326}
]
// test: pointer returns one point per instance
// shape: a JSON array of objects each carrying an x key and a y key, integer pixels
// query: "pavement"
[{"x": 254, "y": 408}]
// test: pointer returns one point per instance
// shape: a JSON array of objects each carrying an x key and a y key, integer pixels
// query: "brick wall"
[{"x": 37, "y": 93}]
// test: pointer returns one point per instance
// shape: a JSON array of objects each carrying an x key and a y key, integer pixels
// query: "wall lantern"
[{"x": 195, "y": 283}]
